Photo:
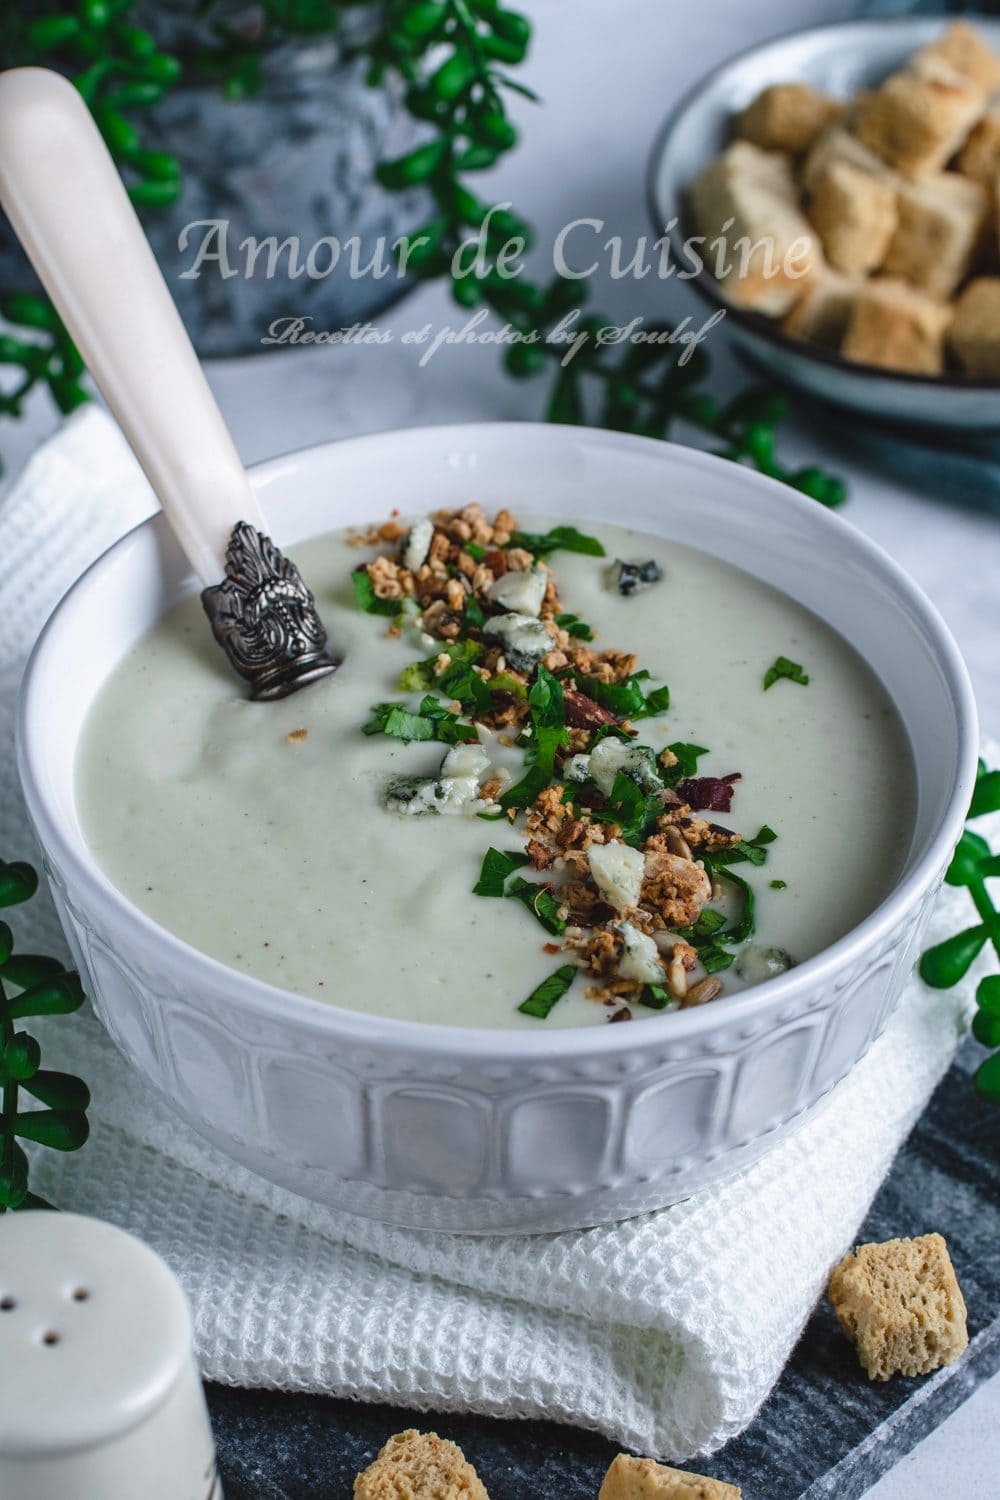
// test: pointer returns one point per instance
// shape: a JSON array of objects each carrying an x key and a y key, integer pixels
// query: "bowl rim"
[
  {"x": 486, "y": 1044},
  {"x": 769, "y": 329}
]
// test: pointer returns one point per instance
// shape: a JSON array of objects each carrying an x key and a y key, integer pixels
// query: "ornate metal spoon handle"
[
  {"x": 265, "y": 619},
  {"x": 63, "y": 194}
]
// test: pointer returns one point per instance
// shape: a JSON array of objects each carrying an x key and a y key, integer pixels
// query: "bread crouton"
[
  {"x": 787, "y": 117},
  {"x": 836, "y": 145},
  {"x": 642, "y": 1479},
  {"x": 980, "y": 156},
  {"x": 419, "y": 1464},
  {"x": 855, "y": 216},
  {"x": 940, "y": 231},
  {"x": 900, "y": 1303},
  {"x": 759, "y": 244},
  {"x": 975, "y": 332},
  {"x": 964, "y": 48},
  {"x": 898, "y": 328},
  {"x": 917, "y": 121},
  {"x": 822, "y": 314}
]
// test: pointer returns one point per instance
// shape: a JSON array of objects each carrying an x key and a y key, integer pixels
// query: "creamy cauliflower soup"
[{"x": 561, "y": 778}]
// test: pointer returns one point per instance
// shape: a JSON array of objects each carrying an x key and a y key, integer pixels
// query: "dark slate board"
[{"x": 825, "y": 1430}]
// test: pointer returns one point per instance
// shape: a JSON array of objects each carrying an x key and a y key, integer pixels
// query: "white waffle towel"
[{"x": 665, "y": 1333}]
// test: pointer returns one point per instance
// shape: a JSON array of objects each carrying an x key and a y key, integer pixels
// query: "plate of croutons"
[{"x": 837, "y": 193}]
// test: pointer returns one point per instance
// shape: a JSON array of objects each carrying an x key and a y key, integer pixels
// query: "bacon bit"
[
  {"x": 551, "y": 948},
  {"x": 621, "y": 1015},
  {"x": 709, "y": 793},
  {"x": 583, "y": 713}
]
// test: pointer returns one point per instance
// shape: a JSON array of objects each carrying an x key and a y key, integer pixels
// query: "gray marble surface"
[
  {"x": 826, "y": 1431},
  {"x": 607, "y": 75}
]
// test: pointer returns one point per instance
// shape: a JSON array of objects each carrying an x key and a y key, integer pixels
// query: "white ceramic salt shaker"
[{"x": 99, "y": 1393}]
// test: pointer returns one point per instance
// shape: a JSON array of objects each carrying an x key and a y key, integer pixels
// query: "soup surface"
[{"x": 260, "y": 832}]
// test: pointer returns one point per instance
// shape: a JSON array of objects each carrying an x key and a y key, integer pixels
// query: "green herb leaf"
[
  {"x": 782, "y": 667},
  {"x": 498, "y": 866},
  {"x": 655, "y": 997},
  {"x": 778, "y": 885},
  {"x": 688, "y": 757},
  {"x": 752, "y": 851},
  {"x": 714, "y": 959},
  {"x": 626, "y": 700},
  {"x": 578, "y": 629},
  {"x": 432, "y": 721},
  {"x": 560, "y": 538},
  {"x": 364, "y": 593},
  {"x": 540, "y": 901},
  {"x": 547, "y": 734},
  {"x": 542, "y": 1000}
]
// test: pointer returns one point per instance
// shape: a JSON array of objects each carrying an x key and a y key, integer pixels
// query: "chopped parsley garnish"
[
  {"x": 431, "y": 721},
  {"x": 714, "y": 958},
  {"x": 364, "y": 593},
  {"x": 655, "y": 997},
  {"x": 475, "y": 551},
  {"x": 540, "y": 902},
  {"x": 631, "y": 807},
  {"x": 542, "y": 1000},
  {"x": 498, "y": 866},
  {"x": 780, "y": 668},
  {"x": 575, "y": 627},
  {"x": 473, "y": 613},
  {"x": 547, "y": 733},
  {"x": 421, "y": 675},
  {"x": 753, "y": 851},
  {"x": 565, "y": 538},
  {"x": 688, "y": 757},
  {"x": 626, "y": 700},
  {"x": 779, "y": 885}
]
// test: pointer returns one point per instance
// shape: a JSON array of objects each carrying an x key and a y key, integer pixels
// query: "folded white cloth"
[{"x": 665, "y": 1333}]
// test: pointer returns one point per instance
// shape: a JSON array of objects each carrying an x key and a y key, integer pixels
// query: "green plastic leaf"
[
  {"x": 948, "y": 962},
  {"x": 20, "y": 1059},
  {"x": 413, "y": 168},
  {"x": 986, "y": 1028},
  {"x": 61, "y": 1129},
  {"x": 986, "y": 797},
  {"x": 13, "y": 1177},
  {"x": 423, "y": 19},
  {"x": 453, "y": 77},
  {"x": 511, "y": 25},
  {"x": 18, "y": 882},
  {"x": 965, "y": 867},
  {"x": 27, "y": 969},
  {"x": 154, "y": 194},
  {"x": 6, "y": 943},
  {"x": 53, "y": 32},
  {"x": 56, "y": 997},
  {"x": 120, "y": 134},
  {"x": 987, "y": 1079},
  {"x": 60, "y": 1091},
  {"x": 988, "y": 994}
]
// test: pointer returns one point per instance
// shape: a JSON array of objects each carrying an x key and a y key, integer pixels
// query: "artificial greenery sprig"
[
  {"x": 949, "y": 961},
  {"x": 451, "y": 57},
  {"x": 448, "y": 54},
  {"x": 44, "y": 988}
]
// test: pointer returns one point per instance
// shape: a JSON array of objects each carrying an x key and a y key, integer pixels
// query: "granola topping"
[{"x": 636, "y": 887}]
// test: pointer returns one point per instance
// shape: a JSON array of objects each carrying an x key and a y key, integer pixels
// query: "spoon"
[{"x": 69, "y": 208}]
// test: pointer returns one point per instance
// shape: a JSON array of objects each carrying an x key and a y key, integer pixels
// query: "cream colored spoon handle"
[{"x": 68, "y": 205}]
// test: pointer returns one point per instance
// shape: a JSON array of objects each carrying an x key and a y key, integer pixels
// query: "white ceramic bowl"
[
  {"x": 839, "y": 59},
  {"x": 438, "y": 1126}
]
